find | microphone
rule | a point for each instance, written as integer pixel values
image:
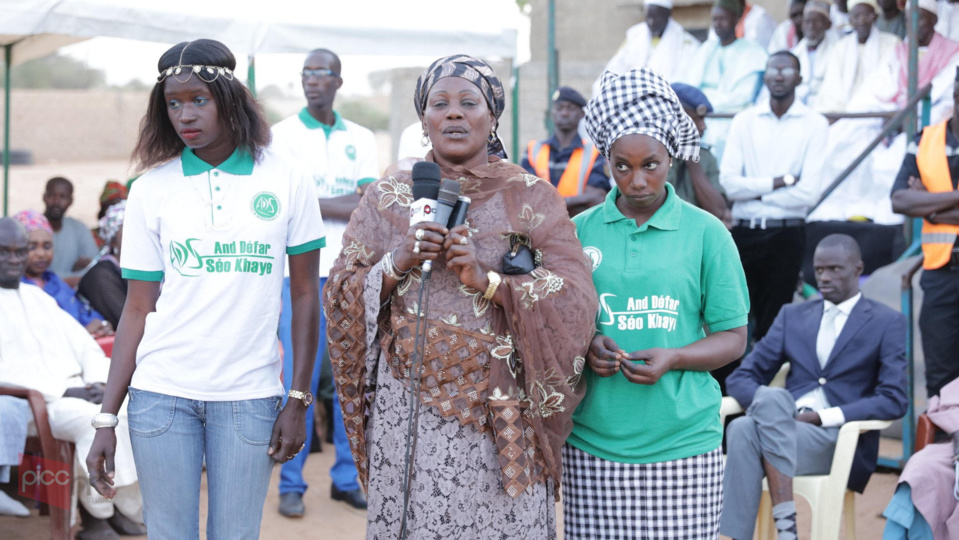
(426, 187)
(446, 200)
(458, 217)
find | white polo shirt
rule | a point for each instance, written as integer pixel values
(341, 158)
(216, 237)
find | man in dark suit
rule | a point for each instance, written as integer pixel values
(847, 362)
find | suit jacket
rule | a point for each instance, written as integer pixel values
(865, 375)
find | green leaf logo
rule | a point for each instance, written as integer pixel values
(351, 152)
(265, 206)
(184, 258)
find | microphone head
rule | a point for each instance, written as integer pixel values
(426, 180)
(449, 191)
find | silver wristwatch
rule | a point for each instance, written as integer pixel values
(104, 420)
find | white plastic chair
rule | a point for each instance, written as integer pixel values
(827, 494)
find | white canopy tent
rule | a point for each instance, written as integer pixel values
(33, 28)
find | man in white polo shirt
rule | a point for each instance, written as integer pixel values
(341, 156)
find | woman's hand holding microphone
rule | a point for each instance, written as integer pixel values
(425, 241)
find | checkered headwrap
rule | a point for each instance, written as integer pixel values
(641, 101)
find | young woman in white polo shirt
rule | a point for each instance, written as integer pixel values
(212, 220)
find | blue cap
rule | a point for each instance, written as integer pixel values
(565, 93)
(692, 98)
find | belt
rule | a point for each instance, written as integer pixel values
(763, 223)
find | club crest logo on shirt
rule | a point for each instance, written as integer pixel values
(265, 206)
(351, 152)
(595, 256)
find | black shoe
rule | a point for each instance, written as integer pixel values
(125, 526)
(291, 504)
(95, 528)
(354, 498)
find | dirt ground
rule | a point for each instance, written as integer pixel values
(324, 518)
(331, 520)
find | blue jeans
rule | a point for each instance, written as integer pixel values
(343, 472)
(171, 436)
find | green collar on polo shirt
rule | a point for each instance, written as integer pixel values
(239, 163)
(665, 219)
(313, 123)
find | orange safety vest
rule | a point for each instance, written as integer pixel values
(937, 239)
(573, 181)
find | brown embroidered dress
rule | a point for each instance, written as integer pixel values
(499, 383)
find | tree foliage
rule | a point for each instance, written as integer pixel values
(55, 71)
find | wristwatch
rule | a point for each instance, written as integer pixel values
(103, 420)
(494, 281)
(789, 179)
(305, 397)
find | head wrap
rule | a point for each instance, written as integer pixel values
(732, 6)
(817, 6)
(565, 93)
(871, 3)
(641, 101)
(475, 71)
(668, 4)
(930, 5)
(33, 221)
(112, 191)
(693, 98)
(111, 222)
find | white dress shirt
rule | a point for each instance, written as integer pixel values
(762, 146)
(816, 399)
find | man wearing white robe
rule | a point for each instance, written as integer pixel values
(43, 348)
(814, 49)
(865, 193)
(728, 70)
(789, 32)
(658, 43)
(855, 57)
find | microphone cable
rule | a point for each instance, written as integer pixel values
(413, 421)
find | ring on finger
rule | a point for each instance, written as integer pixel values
(464, 241)
(419, 234)
(416, 247)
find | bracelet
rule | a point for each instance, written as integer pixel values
(390, 269)
(494, 281)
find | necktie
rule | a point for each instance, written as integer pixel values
(827, 335)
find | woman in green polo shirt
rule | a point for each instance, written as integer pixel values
(644, 458)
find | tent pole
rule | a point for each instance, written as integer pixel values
(515, 113)
(7, 60)
(251, 75)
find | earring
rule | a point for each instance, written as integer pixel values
(492, 134)
(425, 141)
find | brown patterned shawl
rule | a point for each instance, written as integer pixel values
(512, 371)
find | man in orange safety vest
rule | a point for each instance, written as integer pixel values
(568, 161)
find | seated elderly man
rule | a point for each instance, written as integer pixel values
(847, 362)
(45, 349)
(814, 49)
(865, 194)
(855, 57)
(658, 43)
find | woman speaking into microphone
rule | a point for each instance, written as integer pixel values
(504, 352)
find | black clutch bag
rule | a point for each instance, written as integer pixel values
(519, 259)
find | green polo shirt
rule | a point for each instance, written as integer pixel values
(658, 285)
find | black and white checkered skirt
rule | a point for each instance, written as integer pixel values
(679, 499)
